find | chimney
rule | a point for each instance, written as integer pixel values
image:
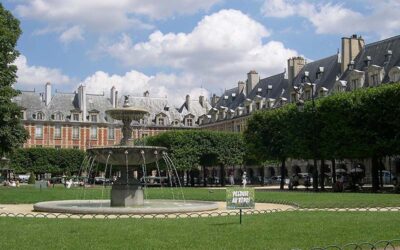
(82, 101)
(113, 97)
(295, 64)
(187, 102)
(214, 100)
(47, 93)
(252, 80)
(351, 46)
(241, 86)
(201, 100)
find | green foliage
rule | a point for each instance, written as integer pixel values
(46, 160)
(192, 148)
(360, 124)
(12, 132)
(32, 178)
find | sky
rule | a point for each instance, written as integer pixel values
(177, 47)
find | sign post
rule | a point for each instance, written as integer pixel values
(240, 198)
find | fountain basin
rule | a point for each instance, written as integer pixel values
(103, 207)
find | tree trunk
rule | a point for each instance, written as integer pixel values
(283, 174)
(262, 175)
(222, 175)
(204, 177)
(192, 177)
(374, 174)
(322, 180)
(315, 176)
(333, 171)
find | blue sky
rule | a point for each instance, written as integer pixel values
(179, 47)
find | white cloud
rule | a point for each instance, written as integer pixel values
(329, 18)
(104, 16)
(72, 34)
(219, 50)
(135, 83)
(29, 75)
(278, 8)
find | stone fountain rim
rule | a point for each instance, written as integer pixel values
(129, 108)
(54, 207)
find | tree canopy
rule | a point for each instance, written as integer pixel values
(12, 132)
(364, 123)
(46, 160)
(193, 148)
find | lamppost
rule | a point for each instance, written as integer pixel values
(300, 107)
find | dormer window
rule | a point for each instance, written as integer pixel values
(160, 121)
(75, 117)
(38, 116)
(189, 122)
(93, 117)
(394, 74)
(319, 73)
(175, 123)
(57, 116)
(323, 92)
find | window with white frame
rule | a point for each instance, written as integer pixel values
(39, 131)
(75, 117)
(75, 132)
(161, 121)
(57, 131)
(111, 133)
(93, 132)
(189, 122)
(38, 116)
(93, 117)
(57, 116)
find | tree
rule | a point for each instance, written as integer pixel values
(12, 132)
(268, 136)
(194, 148)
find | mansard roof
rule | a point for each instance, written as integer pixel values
(279, 85)
(331, 71)
(231, 98)
(377, 52)
(33, 102)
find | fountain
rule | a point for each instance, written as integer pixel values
(127, 193)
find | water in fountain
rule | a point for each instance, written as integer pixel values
(127, 193)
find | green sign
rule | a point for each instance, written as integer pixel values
(240, 198)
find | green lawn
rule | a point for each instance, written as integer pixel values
(29, 194)
(288, 230)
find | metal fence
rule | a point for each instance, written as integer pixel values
(382, 244)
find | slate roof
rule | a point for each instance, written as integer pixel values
(377, 51)
(32, 103)
(231, 99)
(279, 87)
(331, 68)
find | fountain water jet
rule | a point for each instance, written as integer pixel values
(127, 194)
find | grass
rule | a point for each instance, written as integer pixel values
(30, 194)
(285, 230)
(291, 230)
